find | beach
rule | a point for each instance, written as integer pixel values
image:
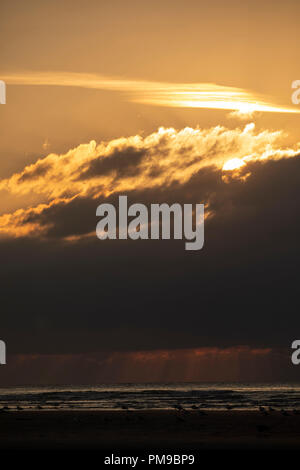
(163, 430)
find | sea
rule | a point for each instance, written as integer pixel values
(152, 396)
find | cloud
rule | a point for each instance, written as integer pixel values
(183, 95)
(162, 161)
(63, 296)
(64, 291)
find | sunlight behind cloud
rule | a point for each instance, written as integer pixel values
(165, 157)
(233, 164)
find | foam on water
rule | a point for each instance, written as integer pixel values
(153, 396)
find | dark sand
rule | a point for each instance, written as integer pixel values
(145, 430)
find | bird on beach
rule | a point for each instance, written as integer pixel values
(125, 407)
(263, 411)
(178, 407)
(284, 412)
(271, 409)
(19, 408)
(194, 407)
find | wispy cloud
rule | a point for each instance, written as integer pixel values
(182, 95)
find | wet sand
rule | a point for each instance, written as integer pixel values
(145, 430)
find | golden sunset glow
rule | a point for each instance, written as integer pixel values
(233, 164)
(174, 105)
(57, 180)
(176, 95)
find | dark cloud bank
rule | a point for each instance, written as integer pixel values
(91, 295)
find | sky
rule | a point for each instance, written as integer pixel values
(164, 101)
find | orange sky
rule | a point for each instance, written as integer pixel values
(250, 45)
(188, 365)
(105, 97)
